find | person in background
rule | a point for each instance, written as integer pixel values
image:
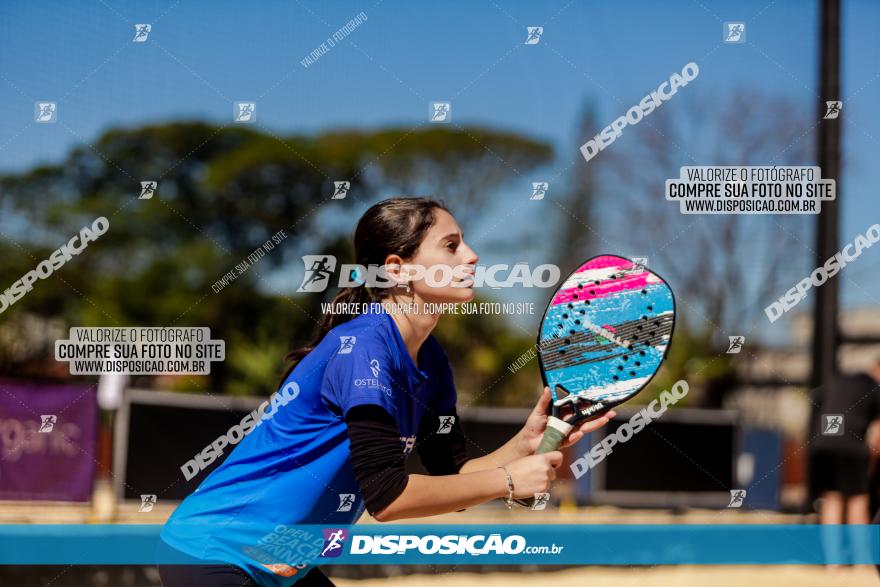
(874, 484)
(873, 441)
(839, 452)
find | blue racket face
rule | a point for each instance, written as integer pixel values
(605, 333)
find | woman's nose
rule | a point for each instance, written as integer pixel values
(471, 257)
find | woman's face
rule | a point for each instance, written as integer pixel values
(447, 261)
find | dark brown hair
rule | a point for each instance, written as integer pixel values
(394, 226)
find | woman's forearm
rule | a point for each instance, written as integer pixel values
(511, 450)
(428, 496)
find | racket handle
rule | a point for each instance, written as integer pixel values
(554, 434)
(551, 440)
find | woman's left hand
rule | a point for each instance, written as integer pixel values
(531, 434)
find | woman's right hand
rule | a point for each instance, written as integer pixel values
(534, 474)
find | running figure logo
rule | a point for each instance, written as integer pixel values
(346, 344)
(534, 34)
(736, 344)
(541, 501)
(45, 112)
(141, 32)
(333, 540)
(47, 423)
(832, 424)
(737, 498)
(147, 503)
(408, 442)
(832, 109)
(245, 112)
(734, 32)
(539, 189)
(340, 190)
(446, 423)
(346, 501)
(441, 111)
(148, 189)
(319, 268)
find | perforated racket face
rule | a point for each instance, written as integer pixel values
(605, 333)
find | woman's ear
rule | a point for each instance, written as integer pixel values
(397, 271)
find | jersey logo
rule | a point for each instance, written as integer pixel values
(282, 569)
(374, 367)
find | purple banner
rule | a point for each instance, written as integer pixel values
(48, 439)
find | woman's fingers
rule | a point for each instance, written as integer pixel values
(572, 438)
(587, 427)
(543, 403)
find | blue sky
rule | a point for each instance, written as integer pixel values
(202, 56)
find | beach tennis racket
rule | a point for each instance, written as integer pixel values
(602, 339)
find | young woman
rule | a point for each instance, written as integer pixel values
(367, 391)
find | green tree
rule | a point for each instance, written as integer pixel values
(222, 192)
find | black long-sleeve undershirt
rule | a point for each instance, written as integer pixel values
(378, 459)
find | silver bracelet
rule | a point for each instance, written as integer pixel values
(509, 499)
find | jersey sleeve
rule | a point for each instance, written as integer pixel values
(365, 375)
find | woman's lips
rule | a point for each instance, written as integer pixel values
(465, 282)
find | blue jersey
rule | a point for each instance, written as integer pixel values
(294, 468)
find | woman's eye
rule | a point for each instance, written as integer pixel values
(451, 246)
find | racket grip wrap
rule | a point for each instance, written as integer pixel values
(556, 431)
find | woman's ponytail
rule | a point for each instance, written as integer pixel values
(348, 297)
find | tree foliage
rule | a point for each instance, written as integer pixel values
(222, 192)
